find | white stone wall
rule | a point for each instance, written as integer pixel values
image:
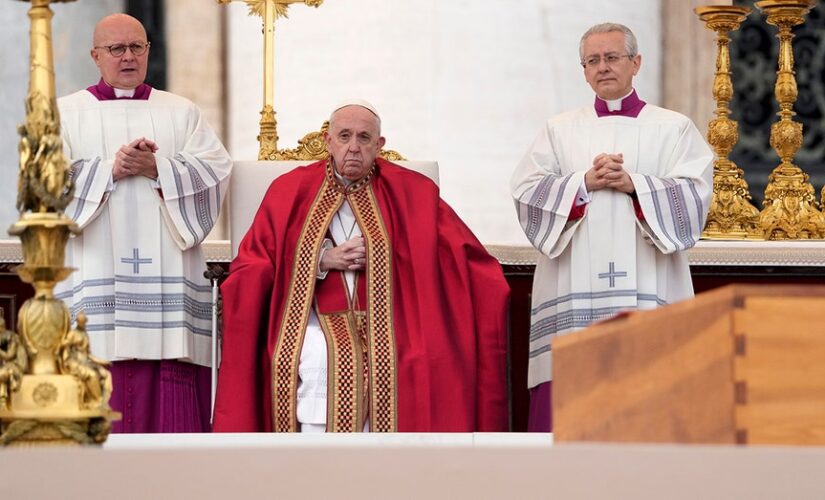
(464, 82)
(72, 28)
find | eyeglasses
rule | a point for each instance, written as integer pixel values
(119, 49)
(609, 59)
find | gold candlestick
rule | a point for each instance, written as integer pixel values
(52, 391)
(790, 208)
(731, 214)
(269, 11)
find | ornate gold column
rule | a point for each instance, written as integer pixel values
(790, 209)
(52, 391)
(688, 68)
(269, 11)
(731, 215)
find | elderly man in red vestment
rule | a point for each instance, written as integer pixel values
(360, 301)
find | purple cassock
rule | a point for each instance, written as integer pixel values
(157, 395)
(161, 396)
(540, 418)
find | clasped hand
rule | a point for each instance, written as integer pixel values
(608, 172)
(136, 158)
(348, 256)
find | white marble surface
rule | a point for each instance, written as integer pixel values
(368, 440)
(467, 84)
(708, 253)
(432, 472)
(705, 253)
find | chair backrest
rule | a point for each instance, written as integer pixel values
(251, 179)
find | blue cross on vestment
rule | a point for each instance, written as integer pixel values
(136, 261)
(612, 274)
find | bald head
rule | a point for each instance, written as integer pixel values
(114, 24)
(121, 51)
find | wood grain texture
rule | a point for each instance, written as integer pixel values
(732, 365)
(784, 368)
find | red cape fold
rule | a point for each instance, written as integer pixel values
(449, 305)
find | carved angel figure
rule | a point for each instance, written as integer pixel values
(75, 359)
(44, 183)
(13, 363)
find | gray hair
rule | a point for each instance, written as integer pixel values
(631, 46)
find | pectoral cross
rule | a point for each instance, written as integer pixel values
(270, 10)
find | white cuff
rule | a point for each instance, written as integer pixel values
(326, 245)
(582, 196)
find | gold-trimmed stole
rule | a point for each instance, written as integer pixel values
(362, 361)
(287, 353)
(347, 376)
(383, 362)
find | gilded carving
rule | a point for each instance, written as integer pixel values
(268, 138)
(45, 394)
(13, 363)
(257, 7)
(311, 147)
(731, 214)
(51, 390)
(43, 183)
(790, 208)
(75, 359)
(786, 139)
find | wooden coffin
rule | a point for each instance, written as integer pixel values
(741, 364)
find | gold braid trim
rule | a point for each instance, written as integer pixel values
(380, 331)
(346, 372)
(353, 187)
(296, 312)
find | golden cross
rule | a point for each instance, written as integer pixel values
(269, 11)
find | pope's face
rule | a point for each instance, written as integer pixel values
(126, 71)
(353, 141)
(614, 80)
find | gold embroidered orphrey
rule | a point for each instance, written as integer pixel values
(361, 353)
(347, 374)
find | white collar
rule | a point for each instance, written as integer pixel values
(341, 179)
(616, 104)
(124, 92)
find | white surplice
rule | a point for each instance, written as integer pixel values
(608, 261)
(140, 269)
